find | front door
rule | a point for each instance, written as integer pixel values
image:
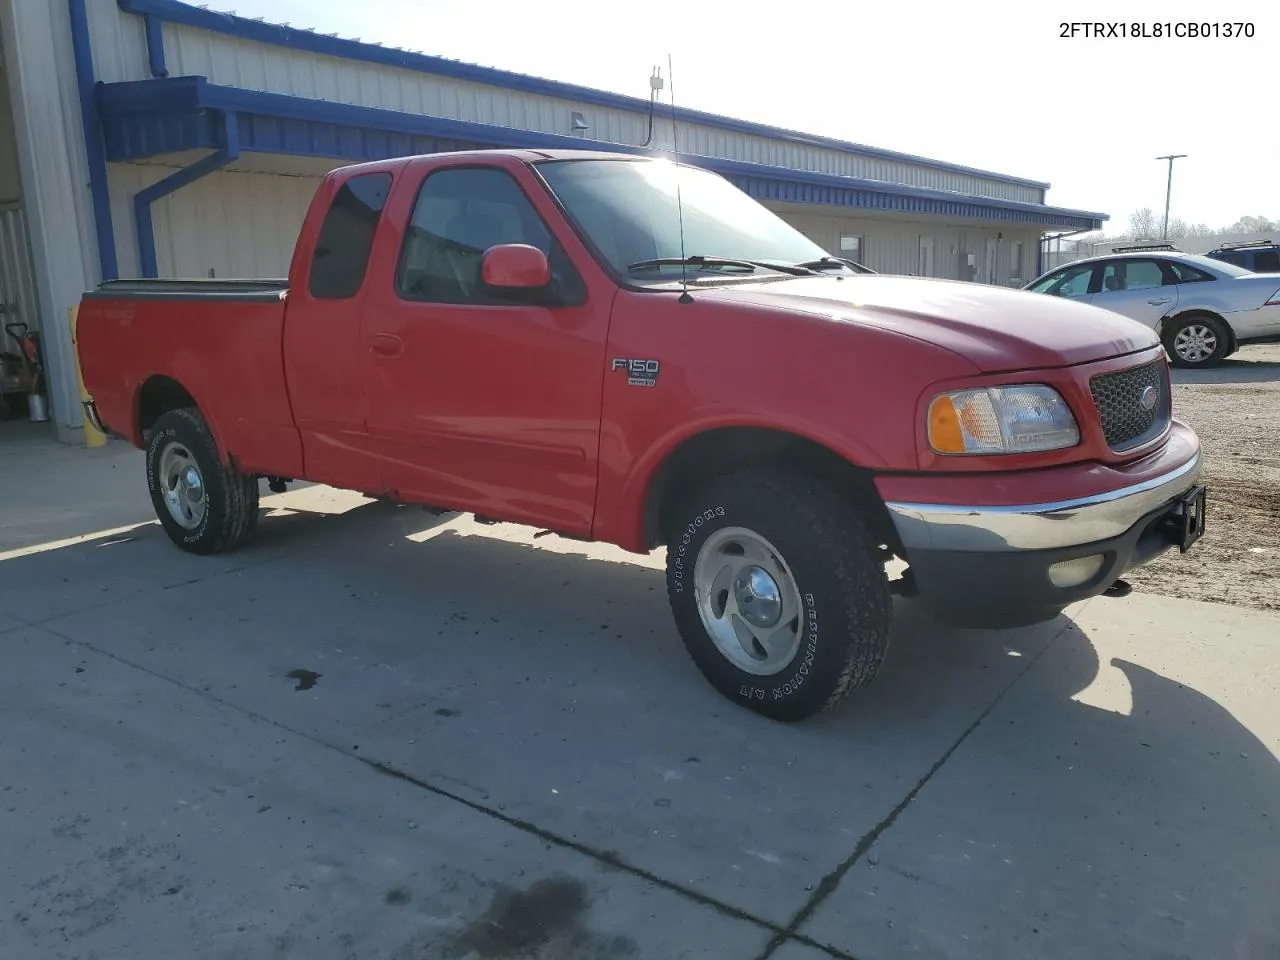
(1137, 288)
(476, 402)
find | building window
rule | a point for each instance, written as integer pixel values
(346, 237)
(851, 247)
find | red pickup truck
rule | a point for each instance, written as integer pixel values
(630, 350)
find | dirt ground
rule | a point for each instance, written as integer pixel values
(1236, 410)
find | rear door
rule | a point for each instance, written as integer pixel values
(476, 402)
(1140, 288)
(322, 331)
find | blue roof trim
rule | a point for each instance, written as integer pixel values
(293, 38)
(95, 149)
(150, 117)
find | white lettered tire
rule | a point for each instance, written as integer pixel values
(205, 505)
(778, 592)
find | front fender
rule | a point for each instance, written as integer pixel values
(620, 519)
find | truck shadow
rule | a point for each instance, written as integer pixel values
(1096, 795)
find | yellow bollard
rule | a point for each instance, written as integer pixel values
(93, 437)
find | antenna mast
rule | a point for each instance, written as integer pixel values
(675, 149)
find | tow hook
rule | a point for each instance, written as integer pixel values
(1121, 588)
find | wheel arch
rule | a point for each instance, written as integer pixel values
(714, 451)
(159, 394)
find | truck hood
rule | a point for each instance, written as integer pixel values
(997, 329)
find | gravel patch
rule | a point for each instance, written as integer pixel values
(1235, 408)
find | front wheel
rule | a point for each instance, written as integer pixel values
(205, 506)
(1196, 340)
(778, 593)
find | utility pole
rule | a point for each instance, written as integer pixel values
(1168, 191)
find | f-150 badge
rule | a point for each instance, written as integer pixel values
(640, 373)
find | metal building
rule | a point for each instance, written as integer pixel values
(158, 138)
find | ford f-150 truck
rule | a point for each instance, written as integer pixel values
(631, 350)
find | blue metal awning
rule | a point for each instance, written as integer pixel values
(148, 118)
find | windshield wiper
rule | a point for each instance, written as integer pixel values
(710, 263)
(827, 263)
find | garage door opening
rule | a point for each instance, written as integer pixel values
(24, 391)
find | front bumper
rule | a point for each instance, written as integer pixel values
(988, 566)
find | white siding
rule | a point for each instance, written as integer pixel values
(233, 223)
(120, 54)
(893, 245)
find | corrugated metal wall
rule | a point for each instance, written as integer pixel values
(120, 54)
(240, 223)
(233, 223)
(894, 245)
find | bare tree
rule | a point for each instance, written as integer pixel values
(1142, 224)
(1254, 225)
(1177, 229)
(1200, 230)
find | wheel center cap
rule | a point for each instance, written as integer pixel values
(758, 596)
(191, 480)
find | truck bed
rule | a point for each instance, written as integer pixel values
(138, 338)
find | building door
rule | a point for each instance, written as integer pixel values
(927, 247)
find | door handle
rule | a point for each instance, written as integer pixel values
(1158, 301)
(386, 345)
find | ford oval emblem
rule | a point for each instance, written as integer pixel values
(1148, 398)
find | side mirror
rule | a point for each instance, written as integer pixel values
(515, 270)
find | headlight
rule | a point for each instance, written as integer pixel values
(1020, 419)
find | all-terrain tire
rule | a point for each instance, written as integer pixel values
(836, 572)
(230, 499)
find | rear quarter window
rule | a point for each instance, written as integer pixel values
(341, 256)
(1267, 261)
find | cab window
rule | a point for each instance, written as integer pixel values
(341, 256)
(459, 214)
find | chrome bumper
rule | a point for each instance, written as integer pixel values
(1038, 526)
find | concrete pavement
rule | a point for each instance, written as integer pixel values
(374, 734)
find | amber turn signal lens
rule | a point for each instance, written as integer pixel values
(945, 434)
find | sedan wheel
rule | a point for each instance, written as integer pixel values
(1195, 343)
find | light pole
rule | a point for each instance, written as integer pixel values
(1168, 191)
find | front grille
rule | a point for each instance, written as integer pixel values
(1126, 422)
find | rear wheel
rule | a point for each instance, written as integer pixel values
(1197, 340)
(778, 593)
(205, 506)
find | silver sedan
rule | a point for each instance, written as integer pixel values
(1202, 309)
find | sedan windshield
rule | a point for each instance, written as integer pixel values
(628, 210)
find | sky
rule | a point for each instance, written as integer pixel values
(983, 83)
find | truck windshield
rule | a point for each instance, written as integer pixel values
(627, 209)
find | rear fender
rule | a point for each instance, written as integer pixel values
(140, 441)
